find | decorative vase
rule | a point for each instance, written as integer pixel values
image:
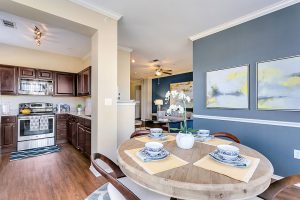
(185, 140)
(79, 110)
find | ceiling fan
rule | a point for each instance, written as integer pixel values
(159, 68)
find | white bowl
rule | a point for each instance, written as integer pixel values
(203, 133)
(156, 131)
(228, 152)
(154, 146)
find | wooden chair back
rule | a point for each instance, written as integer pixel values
(112, 177)
(276, 187)
(139, 133)
(227, 135)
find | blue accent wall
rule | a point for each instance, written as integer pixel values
(159, 90)
(273, 36)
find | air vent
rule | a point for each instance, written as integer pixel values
(8, 23)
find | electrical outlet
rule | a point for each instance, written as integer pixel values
(296, 154)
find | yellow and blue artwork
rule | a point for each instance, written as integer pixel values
(186, 88)
(278, 84)
(228, 88)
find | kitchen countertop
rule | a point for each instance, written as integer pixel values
(76, 114)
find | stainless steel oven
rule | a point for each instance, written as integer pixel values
(38, 128)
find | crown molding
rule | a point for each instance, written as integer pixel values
(111, 14)
(129, 50)
(253, 15)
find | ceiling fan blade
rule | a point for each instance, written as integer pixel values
(169, 73)
(167, 70)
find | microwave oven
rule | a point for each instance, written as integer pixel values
(35, 87)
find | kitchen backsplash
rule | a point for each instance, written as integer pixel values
(14, 101)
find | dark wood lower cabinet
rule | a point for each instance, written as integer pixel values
(78, 133)
(8, 134)
(81, 137)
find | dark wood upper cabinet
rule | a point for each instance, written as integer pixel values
(84, 82)
(8, 79)
(44, 74)
(64, 84)
(25, 72)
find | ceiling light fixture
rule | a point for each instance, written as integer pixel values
(37, 35)
(158, 72)
(133, 61)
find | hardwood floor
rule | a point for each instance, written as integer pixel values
(60, 176)
(57, 176)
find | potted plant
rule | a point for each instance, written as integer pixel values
(79, 107)
(185, 138)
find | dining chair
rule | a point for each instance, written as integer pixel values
(227, 135)
(278, 186)
(139, 133)
(121, 187)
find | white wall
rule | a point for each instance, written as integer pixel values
(146, 101)
(124, 74)
(18, 56)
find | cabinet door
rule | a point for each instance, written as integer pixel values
(69, 131)
(26, 72)
(81, 137)
(79, 84)
(8, 135)
(64, 84)
(8, 79)
(88, 141)
(74, 134)
(86, 81)
(44, 74)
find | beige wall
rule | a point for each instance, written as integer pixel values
(104, 70)
(124, 74)
(18, 56)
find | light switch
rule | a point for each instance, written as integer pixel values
(108, 101)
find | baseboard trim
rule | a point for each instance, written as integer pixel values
(253, 121)
(276, 177)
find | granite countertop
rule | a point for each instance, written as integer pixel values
(76, 114)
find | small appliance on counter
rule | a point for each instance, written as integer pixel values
(36, 125)
(62, 108)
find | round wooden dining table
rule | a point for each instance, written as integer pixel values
(193, 182)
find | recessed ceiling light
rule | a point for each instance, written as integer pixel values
(133, 61)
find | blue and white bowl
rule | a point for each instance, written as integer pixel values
(153, 148)
(228, 152)
(203, 133)
(156, 132)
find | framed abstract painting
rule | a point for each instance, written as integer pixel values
(278, 84)
(186, 88)
(228, 88)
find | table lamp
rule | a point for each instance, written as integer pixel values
(158, 103)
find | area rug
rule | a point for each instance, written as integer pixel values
(100, 194)
(18, 155)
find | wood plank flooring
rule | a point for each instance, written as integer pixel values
(57, 176)
(60, 176)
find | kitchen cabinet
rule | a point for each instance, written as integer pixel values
(44, 74)
(25, 72)
(88, 142)
(84, 82)
(79, 133)
(8, 79)
(81, 137)
(64, 84)
(8, 134)
(61, 128)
